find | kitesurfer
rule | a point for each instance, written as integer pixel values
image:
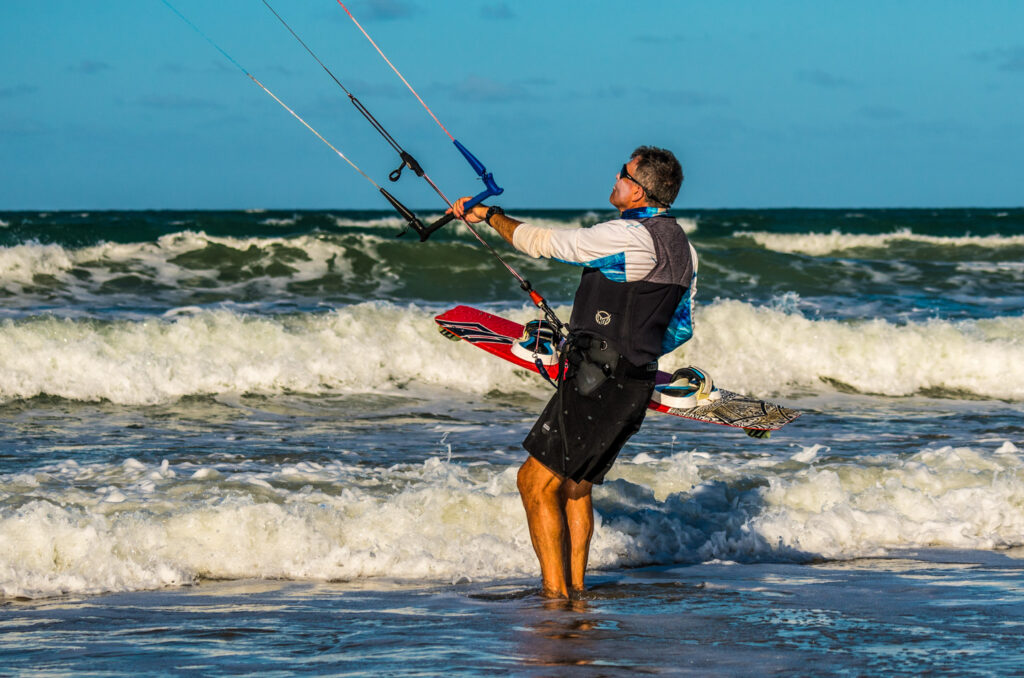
(632, 306)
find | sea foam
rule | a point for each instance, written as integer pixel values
(762, 350)
(188, 259)
(819, 244)
(70, 528)
(374, 347)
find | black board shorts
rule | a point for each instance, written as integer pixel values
(579, 436)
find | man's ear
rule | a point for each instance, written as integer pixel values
(639, 195)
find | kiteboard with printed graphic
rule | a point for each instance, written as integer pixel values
(687, 393)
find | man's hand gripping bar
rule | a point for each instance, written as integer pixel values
(485, 176)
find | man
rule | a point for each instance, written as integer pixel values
(632, 306)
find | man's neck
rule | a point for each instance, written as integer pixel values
(642, 212)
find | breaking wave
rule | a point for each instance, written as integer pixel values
(819, 244)
(90, 528)
(375, 346)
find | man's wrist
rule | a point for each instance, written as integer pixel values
(491, 211)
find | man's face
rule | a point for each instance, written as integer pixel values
(626, 193)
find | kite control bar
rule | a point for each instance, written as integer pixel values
(492, 189)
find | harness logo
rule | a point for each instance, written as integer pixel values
(603, 317)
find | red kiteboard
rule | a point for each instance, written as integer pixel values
(498, 335)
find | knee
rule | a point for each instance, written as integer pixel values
(534, 481)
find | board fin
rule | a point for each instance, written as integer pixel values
(448, 334)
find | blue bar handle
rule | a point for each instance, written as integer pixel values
(492, 188)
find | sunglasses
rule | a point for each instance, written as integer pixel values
(624, 174)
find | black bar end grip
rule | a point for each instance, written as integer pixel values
(411, 220)
(429, 230)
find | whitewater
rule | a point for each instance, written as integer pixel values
(377, 347)
(236, 423)
(98, 527)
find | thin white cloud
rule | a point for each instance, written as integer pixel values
(682, 97)
(825, 79)
(387, 10)
(89, 67)
(175, 102)
(1009, 60)
(17, 91)
(500, 11)
(881, 113)
(487, 90)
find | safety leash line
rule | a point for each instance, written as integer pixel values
(407, 159)
(274, 96)
(492, 188)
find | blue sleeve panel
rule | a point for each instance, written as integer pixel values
(680, 327)
(612, 267)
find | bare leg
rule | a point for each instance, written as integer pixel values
(579, 516)
(540, 490)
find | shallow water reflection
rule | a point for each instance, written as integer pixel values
(913, 613)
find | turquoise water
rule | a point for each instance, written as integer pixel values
(235, 442)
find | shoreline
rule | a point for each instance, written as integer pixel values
(951, 610)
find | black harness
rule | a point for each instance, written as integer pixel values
(634, 316)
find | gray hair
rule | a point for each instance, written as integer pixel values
(660, 173)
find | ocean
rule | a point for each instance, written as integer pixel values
(234, 442)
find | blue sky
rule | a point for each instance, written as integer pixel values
(119, 104)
